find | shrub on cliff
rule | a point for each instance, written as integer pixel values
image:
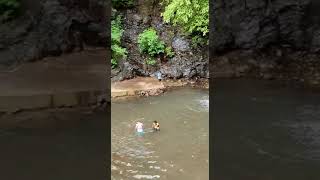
(151, 61)
(118, 52)
(150, 43)
(169, 52)
(8, 9)
(192, 16)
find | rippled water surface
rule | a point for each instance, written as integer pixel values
(265, 131)
(179, 151)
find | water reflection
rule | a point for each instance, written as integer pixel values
(53, 144)
(266, 131)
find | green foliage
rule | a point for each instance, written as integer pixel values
(150, 43)
(118, 52)
(114, 63)
(151, 61)
(119, 4)
(191, 15)
(199, 40)
(8, 9)
(169, 52)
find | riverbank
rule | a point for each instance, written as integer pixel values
(150, 86)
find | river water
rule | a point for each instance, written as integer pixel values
(180, 151)
(264, 130)
(53, 145)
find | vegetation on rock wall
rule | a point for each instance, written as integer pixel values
(191, 15)
(118, 52)
(169, 52)
(8, 9)
(151, 61)
(119, 4)
(150, 43)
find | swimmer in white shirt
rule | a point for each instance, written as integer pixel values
(139, 128)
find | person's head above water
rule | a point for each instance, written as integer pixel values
(155, 122)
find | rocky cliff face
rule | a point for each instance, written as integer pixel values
(256, 24)
(53, 27)
(266, 38)
(188, 62)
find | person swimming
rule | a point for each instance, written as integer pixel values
(139, 128)
(155, 126)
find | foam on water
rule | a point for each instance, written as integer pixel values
(146, 176)
(204, 102)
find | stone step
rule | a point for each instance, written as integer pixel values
(53, 100)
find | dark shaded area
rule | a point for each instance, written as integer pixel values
(256, 24)
(266, 39)
(53, 145)
(53, 27)
(264, 130)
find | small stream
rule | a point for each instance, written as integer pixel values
(267, 131)
(180, 151)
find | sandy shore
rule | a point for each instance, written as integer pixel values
(149, 86)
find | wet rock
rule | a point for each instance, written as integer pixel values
(189, 72)
(258, 24)
(115, 72)
(137, 19)
(56, 28)
(184, 64)
(279, 53)
(242, 68)
(266, 76)
(127, 70)
(151, 92)
(180, 44)
(146, 20)
(316, 41)
(172, 72)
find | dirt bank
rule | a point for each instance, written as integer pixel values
(149, 86)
